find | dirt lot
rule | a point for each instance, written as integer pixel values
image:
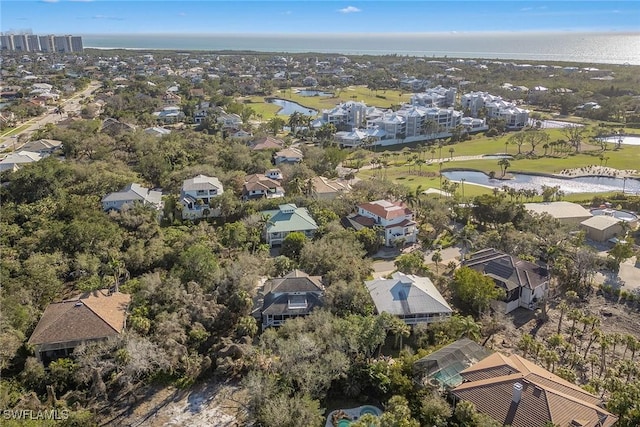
(211, 405)
(614, 317)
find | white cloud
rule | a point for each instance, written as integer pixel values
(349, 9)
(182, 14)
(288, 12)
(49, 1)
(81, 1)
(526, 9)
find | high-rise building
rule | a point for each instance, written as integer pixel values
(76, 44)
(20, 43)
(33, 43)
(6, 42)
(27, 42)
(46, 44)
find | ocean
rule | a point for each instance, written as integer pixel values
(601, 48)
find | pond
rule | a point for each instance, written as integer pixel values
(585, 184)
(626, 140)
(313, 92)
(290, 107)
(553, 124)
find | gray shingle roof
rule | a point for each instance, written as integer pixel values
(201, 182)
(512, 271)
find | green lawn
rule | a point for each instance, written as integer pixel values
(16, 130)
(319, 103)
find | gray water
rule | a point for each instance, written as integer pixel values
(290, 107)
(307, 92)
(604, 48)
(588, 184)
(626, 140)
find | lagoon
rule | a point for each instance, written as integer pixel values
(290, 107)
(313, 92)
(626, 140)
(585, 184)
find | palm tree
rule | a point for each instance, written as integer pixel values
(437, 258)
(466, 327)
(504, 165)
(563, 307)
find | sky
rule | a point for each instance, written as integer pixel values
(327, 16)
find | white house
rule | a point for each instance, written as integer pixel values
(413, 299)
(130, 195)
(197, 197)
(478, 103)
(171, 114)
(395, 219)
(525, 284)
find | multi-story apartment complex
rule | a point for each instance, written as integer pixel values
(490, 106)
(435, 97)
(34, 43)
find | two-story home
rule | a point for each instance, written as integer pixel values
(328, 189)
(294, 295)
(197, 197)
(287, 219)
(288, 155)
(525, 283)
(395, 220)
(258, 186)
(130, 195)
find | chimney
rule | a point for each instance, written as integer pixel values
(517, 392)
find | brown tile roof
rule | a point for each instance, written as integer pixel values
(489, 384)
(259, 182)
(386, 209)
(92, 315)
(267, 143)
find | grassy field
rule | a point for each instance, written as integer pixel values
(386, 99)
(16, 130)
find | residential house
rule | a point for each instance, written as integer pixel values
(518, 393)
(130, 195)
(266, 143)
(395, 220)
(288, 155)
(157, 131)
(413, 299)
(229, 121)
(92, 316)
(274, 174)
(114, 127)
(525, 283)
(170, 99)
(601, 228)
(291, 296)
(44, 147)
(15, 161)
(328, 189)
(287, 219)
(198, 197)
(202, 111)
(172, 114)
(258, 186)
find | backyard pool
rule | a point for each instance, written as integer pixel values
(345, 417)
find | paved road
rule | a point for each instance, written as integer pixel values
(70, 105)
